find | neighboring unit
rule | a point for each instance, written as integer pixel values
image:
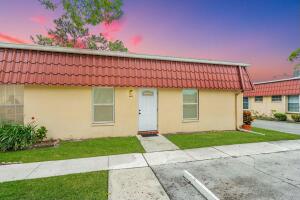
(274, 96)
(79, 93)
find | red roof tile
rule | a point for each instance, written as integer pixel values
(277, 87)
(27, 66)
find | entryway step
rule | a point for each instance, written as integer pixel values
(158, 143)
(148, 133)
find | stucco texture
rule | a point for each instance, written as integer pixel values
(216, 111)
(67, 111)
(268, 108)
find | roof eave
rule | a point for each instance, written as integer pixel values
(274, 81)
(116, 54)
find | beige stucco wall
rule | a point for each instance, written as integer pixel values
(216, 111)
(267, 107)
(67, 111)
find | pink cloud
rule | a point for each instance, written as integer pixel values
(111, 29)
(136, 40)
(7, 38)
(41, 20)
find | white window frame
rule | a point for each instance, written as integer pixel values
(262, 99)
(14, 104)
(248, 103)
(93, 106)
(276, 96)
(197, 103)
(288, 104)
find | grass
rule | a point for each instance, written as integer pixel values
(92, 185)
(207, 139)
(76, 149)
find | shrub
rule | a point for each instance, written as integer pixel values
(247, 117)
(17, 137)
(296, 117)
(41, 133)
(280, 116)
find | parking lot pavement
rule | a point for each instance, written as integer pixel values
(278, 126)
(263, 176)
(135, 184)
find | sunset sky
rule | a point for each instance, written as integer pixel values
(259, 32)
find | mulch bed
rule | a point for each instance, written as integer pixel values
(46, 143)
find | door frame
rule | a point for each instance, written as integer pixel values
(138, 107)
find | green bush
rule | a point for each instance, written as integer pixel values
(296, 117)
(15, 137)
(280, 116)
(41, 133)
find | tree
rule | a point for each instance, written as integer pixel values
(71, 29)
(295, 56)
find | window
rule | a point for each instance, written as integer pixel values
(276, 98)
(11, 103)
(190, 104)
(258, 99)
(245, 103)
(103, 105)
(293, 104)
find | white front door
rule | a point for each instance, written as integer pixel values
(147, 109)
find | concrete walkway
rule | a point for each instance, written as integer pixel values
(156, 143)
(137, 160)
(135, 184)
(70, 166)
(278, 126)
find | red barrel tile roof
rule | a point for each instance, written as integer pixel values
(27, 66)
(277, 87)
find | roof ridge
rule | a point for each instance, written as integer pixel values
(116, 54)
(278, 80)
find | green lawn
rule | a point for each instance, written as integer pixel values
(76, 149)
(196, 140)
(92, 185)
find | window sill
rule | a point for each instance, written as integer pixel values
(103, 124)
(190, 121)
(293, 112)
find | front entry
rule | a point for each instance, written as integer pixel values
(147, 109)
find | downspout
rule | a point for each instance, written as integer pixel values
(236, 110)
(236, 96)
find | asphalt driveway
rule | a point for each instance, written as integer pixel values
(278, 126)
(264, 176)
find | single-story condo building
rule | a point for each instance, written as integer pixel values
(78, 93)
(274, 96)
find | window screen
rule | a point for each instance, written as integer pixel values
(11, 103)
(276, 98)
(245, 103)
(258, 99)
(190, 104)
(103, 104)
(293, 104)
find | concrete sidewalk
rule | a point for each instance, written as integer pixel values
(156, 143)
(70, 166)
(137, 160)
